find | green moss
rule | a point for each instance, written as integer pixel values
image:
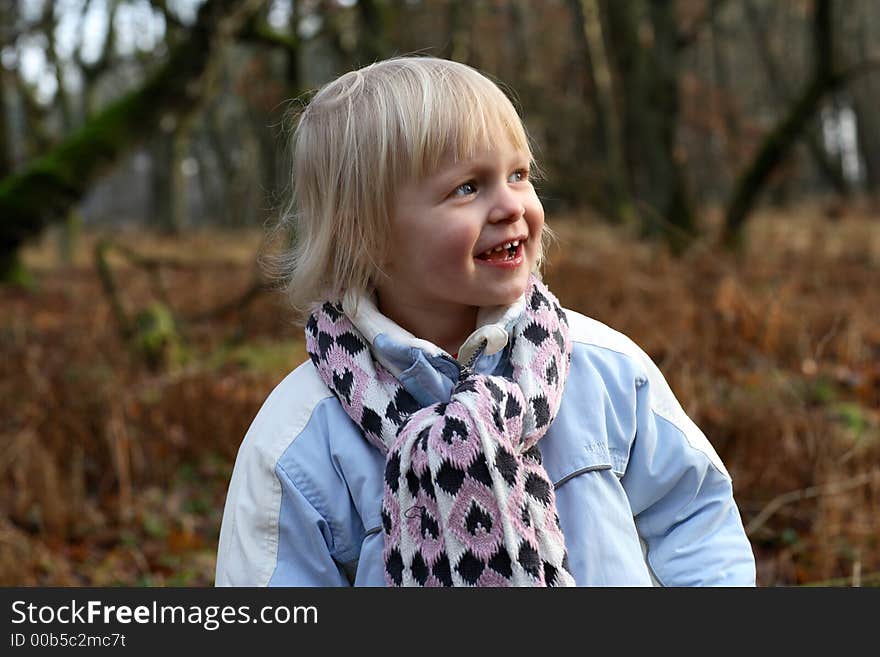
(13, 272)
(789, 536)
(198, 506)
(268, 358)
(819, 392)
(156, 337)
(854, 418)
(186, 472)
(154, 525)
(45, 191)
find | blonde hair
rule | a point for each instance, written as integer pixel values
(358, 138)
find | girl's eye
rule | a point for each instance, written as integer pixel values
(465, 189)
(519, 175)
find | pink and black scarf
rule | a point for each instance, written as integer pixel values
(466, 500)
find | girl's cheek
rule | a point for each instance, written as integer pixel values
(462, 241)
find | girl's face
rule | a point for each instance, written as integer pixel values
(444, 224)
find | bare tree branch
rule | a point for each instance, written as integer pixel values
(833, 488)
(258, 31)
(91, 71)
(44, 191)
(168, 15)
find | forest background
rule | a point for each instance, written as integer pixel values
(712, 169)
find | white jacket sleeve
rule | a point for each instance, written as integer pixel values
(285, 544)
(271, 534)
(682, 497)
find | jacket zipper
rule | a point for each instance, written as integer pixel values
(466, 370)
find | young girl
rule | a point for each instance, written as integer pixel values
(455, 426)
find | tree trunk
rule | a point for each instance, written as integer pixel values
(293, 76)
(180, 143)
(376, 23)
(647, 66)
(831, 169)
(864, 96)
(868, 133)
(37, 139)
(726, 108)
(46, 190)
(7, 17)
(5, 132)
(777, 144)
(620, 203)
(62, 99)
(161, 211)
(458, 44)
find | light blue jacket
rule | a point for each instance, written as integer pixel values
(642, 496)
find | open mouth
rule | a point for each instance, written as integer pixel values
(503, 253)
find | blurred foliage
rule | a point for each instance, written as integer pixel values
(642, 111)
(128, 379)
(114, 469)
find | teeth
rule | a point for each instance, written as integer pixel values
(501, 247)
(506, 245)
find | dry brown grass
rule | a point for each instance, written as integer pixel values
(775, 354)
(114, 472)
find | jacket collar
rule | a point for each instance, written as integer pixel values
(398, 349)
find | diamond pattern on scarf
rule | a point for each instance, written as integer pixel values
(466, 500)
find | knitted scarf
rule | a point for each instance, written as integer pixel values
(466, 500)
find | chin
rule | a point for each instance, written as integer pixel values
(514, 293)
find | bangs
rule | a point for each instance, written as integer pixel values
(467, 118)
(436, 110)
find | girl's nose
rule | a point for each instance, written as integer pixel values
(507, 205)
